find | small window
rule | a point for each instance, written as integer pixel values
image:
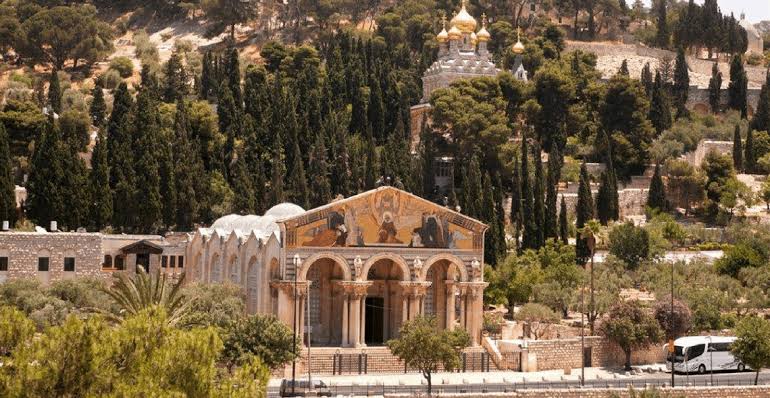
(3, 264)
(120, 262)
(172, 263)
(42, 264)
(69, 264)
(695, 351)
(180, 262)
(164, 261)
(533, 6)
(107, 261)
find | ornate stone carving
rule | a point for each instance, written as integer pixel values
(288, 287)
(358, 264)
(475, 269)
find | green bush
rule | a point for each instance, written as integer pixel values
(123, 65)
(630, 244)
(738, 257)
(22, 78)
(111, 79)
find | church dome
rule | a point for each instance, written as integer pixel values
(483, 34)
(442, 36)
(464, 21)
(284, 210)
(454, 33)
(474, 39)
(518, 48)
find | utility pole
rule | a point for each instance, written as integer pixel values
(582, 337)
(294, 327)
(671, 349)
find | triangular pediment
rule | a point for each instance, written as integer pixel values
(386, 217)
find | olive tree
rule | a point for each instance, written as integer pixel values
(421, 346)
(753, 344)
(631, 328)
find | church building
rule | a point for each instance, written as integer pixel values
(352, 271)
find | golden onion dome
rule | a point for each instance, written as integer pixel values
(474, 39)
(442, 36)
(464, 21)
(454, 33)
(483, 34)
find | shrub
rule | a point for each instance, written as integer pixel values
(261, 335)
(123, 65)
(22, 78)
(755, 59)
(630, 244)
(73, 100)
(145, 49)
(111, 79)
(539, 317)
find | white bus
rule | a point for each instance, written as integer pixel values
(703, 354)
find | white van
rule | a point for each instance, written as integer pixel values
(703, 354)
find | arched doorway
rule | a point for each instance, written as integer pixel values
(383, 305)
(324, 323)
(441, 299)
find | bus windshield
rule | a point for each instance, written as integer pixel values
(678, 354)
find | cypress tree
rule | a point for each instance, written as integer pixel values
(681, 83)
(167, 180)
(538, 196)
(340, 175)
(613, 180)
(584, 211)
(473, 187)
(749, 160)
(227, 111)
(662, 35)
(148, 189)
(101, 195)
(277, 172)
(623, 71)
(376, 110)
(428, 156)
(660, 109)
(232, 70)
(121, 109)
(7, 186)
(297, 183)
(489, 216)
(174, 79)
(45, 194)
(188, 168)
(715, 88)
(738, 86)
(554, 174)
(207, 80)
(646, 79)
(656, 198)
(318, 172)
(499, 220)
(529, 237)
(54, 92)
(761, 120)
(98, 109)
(243, 189)
(75, 188)
(516, 192)
(123, 175)
(563, 225)
(371, 165)
(604, 200)
(737, 149)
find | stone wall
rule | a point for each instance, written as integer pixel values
(632, 201)
(562, 353)
(24, 249)
(686, 392)
(696, 157)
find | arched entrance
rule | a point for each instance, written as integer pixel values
(325, 301)
(383, 304)
(441, 296)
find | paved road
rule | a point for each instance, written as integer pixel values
(659, 379)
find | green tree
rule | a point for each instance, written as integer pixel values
(584, 211)
(660, 107)
(142, 291)
(656, 196)
(278, 172)
(188, 171)
(662, 35)
(749, 160)
(630, 327)
(764, 193)
(101, 195)
(681, 84)
(45, 200)
(563, 224)
(551, 226)
(537, 197)
(737, 148)
(174, 84)
(630, 244)
(7, 186)
(761, 120)
(98, 109)
(147, 135)
(516, 193)
(647, 80)
(738, 257)
(715, 89)
(218, 305)
(561, 277)
(752, 346)
(263, 336)
(538, 317)
(420, 346)
(676, 323)
(737, 88)
(241, 184)
(318, 173)
(54, 92)
(15, 329)
(225, 14)
(604, 199)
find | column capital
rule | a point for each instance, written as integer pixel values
(288, 287)
(472, 289)
(355, 289)
(414, 288)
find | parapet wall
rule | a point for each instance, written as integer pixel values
(685, 392)
(563, 353)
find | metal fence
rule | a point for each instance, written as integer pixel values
(346, 364)
(638, 384)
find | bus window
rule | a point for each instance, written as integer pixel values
(695, 351)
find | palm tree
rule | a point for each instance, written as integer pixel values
(142, 290)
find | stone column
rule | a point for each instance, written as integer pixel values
(463, 317)
(301, 318)
(345, 333)
(355, 310)
(386, 312)
(362, 341)
(405, 306)
(475, 310)
(450, 304)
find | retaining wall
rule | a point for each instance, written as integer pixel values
(686, 392)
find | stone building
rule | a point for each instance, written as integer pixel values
(355, 270)
(752, 34)
(52, 256)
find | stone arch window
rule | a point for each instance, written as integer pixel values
(107, 263)
(120, 262)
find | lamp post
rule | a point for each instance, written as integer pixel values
(672, 349)
(711, 360)
(294, 327)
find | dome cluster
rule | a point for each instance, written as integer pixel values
(462, 28)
